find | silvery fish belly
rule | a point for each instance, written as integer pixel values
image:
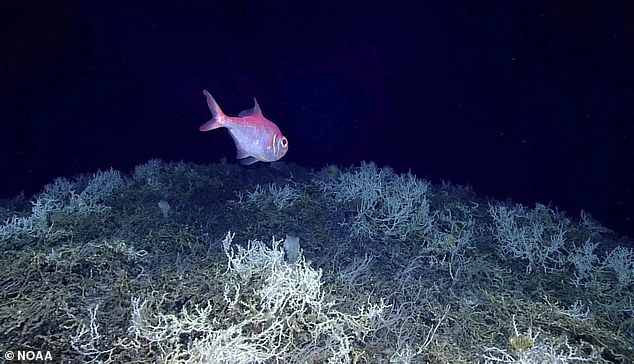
(257, 139)
(257, 142)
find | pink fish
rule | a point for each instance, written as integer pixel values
(256, 137)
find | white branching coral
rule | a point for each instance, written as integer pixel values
(388, 205)
(621, 261)
(584, 260)
(535, 235)
(84, 195)
(276, 312)
(535, 347)
(264, 197)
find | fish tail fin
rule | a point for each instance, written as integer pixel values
(217, 115)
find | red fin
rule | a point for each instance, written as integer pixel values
(217, 114)
(211, 125)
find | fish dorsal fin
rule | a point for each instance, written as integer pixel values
(253, 111)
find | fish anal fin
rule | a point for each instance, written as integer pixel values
(248, 161)
(241, 153)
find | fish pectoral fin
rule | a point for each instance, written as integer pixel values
(248, 161)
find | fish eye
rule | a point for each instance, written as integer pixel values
(284, 142)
